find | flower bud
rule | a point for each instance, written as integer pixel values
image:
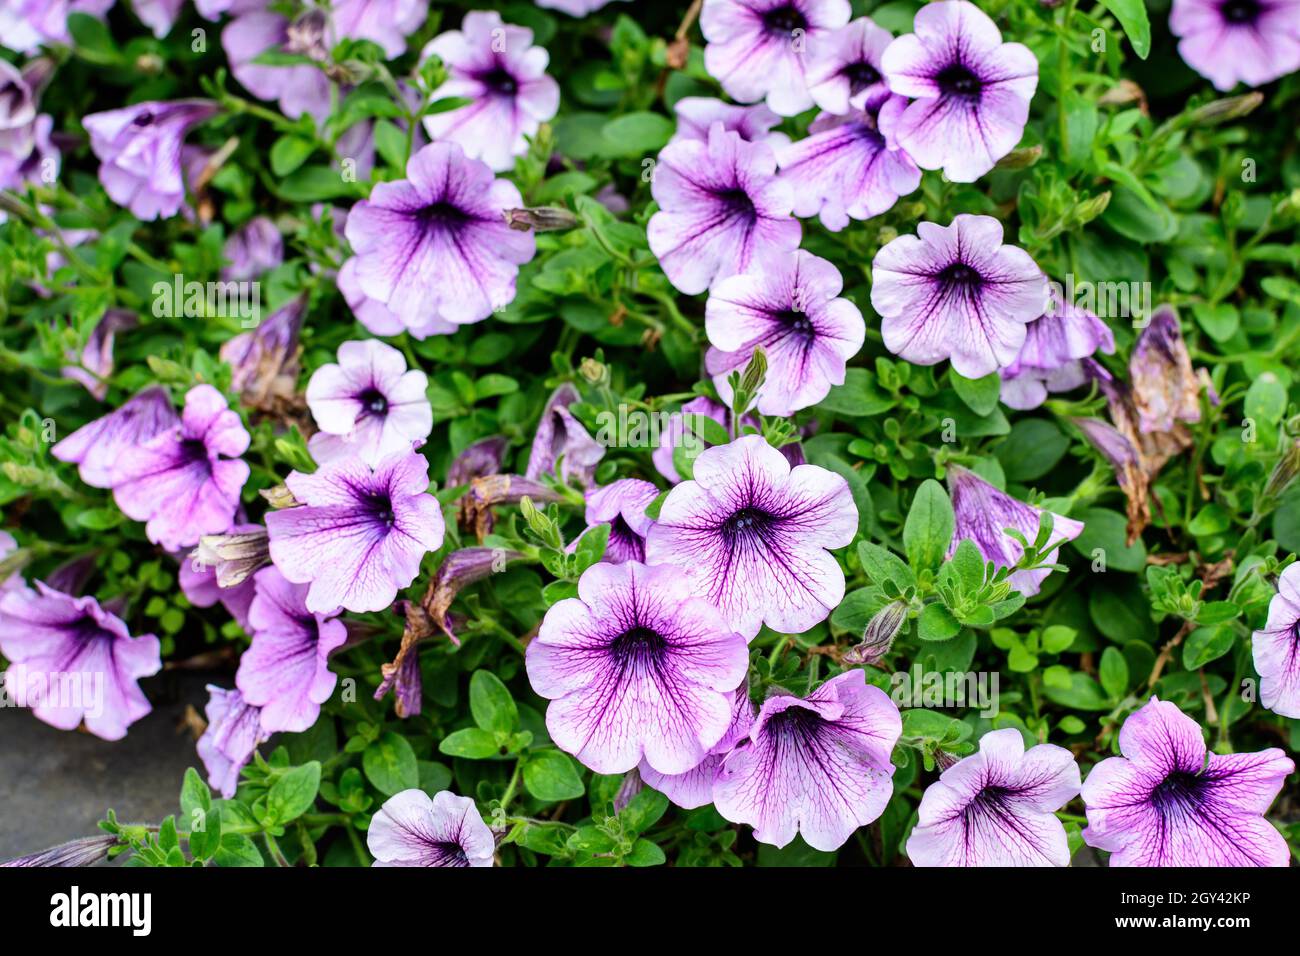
(879, 635)
(541, 219)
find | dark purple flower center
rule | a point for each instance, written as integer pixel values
(379, 506)
(736, 204)
(638, 646)
(1178, 792)
(448, 853)
(193, 453)
(441, 215)
(861, 75)
(960, 278)
(500, 81)
(798, 725)
(958, 80)
(1240, 11)
(746, 523)
(143, 118)
(798, 324)
(785, 19)
(621, 533)
(373, 402)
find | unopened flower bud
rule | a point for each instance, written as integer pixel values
(279, 497)
(1020, 158)
(1284, 473)
(84, 852)
(540, 219)
(1225, 110)
(879, 635)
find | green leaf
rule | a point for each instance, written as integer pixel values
(390, 764)
(882, 565)
(637, 134)
(294, 793)
(1084, 693)
(591, 546)
(936, 623)
(980, 394)
(1105, 531)
(237, 850)
(645, 853)
(316, 184)
(1113, 672)
(1034, 447)
(491, 704)
(1132, 16)
(643, 811)
(1206, 644)
(550, 776)
(471, 742)
(290, 152)
(929, 527)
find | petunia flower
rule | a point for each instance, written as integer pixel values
(413, 829)
(1167, 801)
(360, 533)
(158, 15)
(983, 513)
(561, 440)
(848, 167)
(368, 404)
(27, 152)
(574, 8)
(636, 667)
(264, 361)
(621, 504)
(98, 448)
(1049, 361)
(74, 662)
(299, 88)
(87, 851)
(750, 533)
(721, 205)
(765, 48)
(95, 363)
(694, 788)
(234, 730)
(286, 669)
(186, 481)
(846, 75)
(378, 318)
(221, 569)
(252, 249)
(1238, 41)
(1276, 648)
(402, 678)
(997, 807)
(956, 292)
(28, 24)
(971, 91)
(436, 243)
(483, 457)
(458, 571)
(385, 22)
(139, 149)
(818, 765)
(789, 306)
(697, 114)
(494, 65)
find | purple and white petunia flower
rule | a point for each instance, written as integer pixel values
(721, 205)
(139, 149)
(971, 91)
(983, 513)
(561, 439)
(360, 533)
(997, 807)
(29, 24)
(697, 114)
(299, 88)
(789, 306)
(849, 167)
(436, 243)
(495, 65)
(1051, 358)
(254, 248)
(621, 504)
(27, 152)
(286, 669)
(574, 8)
(414, 829)
(71, 661)
(1276, 648)
(1238, 41)
(234, 730)
(368, 405)
(818, 765)
(694, 788)
(636, 667)
(1167, 801)
(846, 75)
(95, 362)
(751, 534)
(956, 292)
(185, 482)
(377, 317)
(98, 448)
(761, 49)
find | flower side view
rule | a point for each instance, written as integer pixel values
(98, 448)
(360, 533)
(1238, 41)
(621, 505)
(436, 243)
(847, 77)
(234, 730)
(368, 405)
(818, 765)
(1276, 648)
(1167, 801)
(750, 533)
(636, 667)
(789, 306)
(997, 807)
(970, 90)
(414, 829)
(956, 292)
(720, 206)
(1049, 361)
(494, 65)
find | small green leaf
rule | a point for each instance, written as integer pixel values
(936, 623)
(471, 743)
(390, 764)
(929, 526)
(1206, 644)
(551, 777)
(1132, 16)
(294, 794)
(1113, 672)
(491, 704)
(979, 394)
